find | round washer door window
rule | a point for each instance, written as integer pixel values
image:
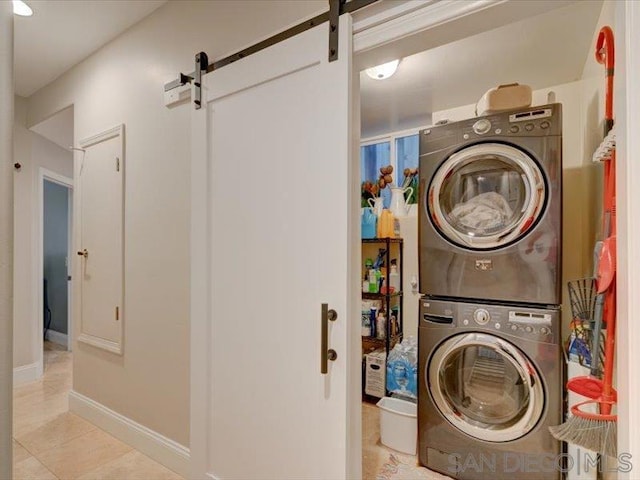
(485, 387)
(486, 196)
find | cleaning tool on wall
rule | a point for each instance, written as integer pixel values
(598, 431)
(582, 295)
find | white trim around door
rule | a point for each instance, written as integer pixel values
(414, 26)
(38, 254)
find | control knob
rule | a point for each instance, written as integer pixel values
(481, 316)
(528, 329)
(482, 126)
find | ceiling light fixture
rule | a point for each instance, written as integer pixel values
(383, 71)
(21, 8)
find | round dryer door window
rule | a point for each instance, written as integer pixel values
(486, 196)
(485, 387)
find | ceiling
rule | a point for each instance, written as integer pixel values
(541, 51)
(61, 33)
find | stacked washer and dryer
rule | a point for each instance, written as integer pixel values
(490, 357)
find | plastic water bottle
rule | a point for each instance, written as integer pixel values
(400, 375)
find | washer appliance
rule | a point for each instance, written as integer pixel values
(490, 385)
(490, 226)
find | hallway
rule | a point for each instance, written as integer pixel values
(50, 443)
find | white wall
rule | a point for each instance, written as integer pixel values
(123, 83)
(33, 152)
(410, 299)
(6, 221)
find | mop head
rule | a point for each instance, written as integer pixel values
(596, 435)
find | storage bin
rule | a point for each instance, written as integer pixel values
(399, 424)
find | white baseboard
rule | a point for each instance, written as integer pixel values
(57, 337)
(27, 373)
(156, 446)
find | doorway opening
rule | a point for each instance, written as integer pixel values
(56, 259)
(441, 84)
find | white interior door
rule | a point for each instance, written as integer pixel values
(101, 240)
(270, 244)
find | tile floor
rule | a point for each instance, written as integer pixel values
(50, 443)
(382, 463)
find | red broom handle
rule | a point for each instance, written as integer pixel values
(605, 55)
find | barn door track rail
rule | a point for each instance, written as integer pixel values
(202, 65)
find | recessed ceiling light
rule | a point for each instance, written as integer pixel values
(21, 8)
(383, 71)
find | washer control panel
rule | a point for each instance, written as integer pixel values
(532, 323)
(535, 324)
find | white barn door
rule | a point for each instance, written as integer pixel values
(270, 244)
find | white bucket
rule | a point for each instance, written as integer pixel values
(398, 424)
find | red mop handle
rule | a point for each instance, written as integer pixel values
(605, 55)
(608, 393)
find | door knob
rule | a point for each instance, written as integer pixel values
(84, 253)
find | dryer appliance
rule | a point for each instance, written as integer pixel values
(490, 385)
(490, 215)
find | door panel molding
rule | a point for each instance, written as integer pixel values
(114, 344)
(116, 131)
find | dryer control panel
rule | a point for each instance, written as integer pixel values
(542, 121)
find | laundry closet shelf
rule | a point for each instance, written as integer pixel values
(369, 344)
(380, 296)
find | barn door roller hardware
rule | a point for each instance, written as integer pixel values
(202, 63)
(334, 19)
(202, 67)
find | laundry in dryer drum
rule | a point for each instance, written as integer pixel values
(487, 210)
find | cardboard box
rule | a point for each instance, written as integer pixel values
(375, 373)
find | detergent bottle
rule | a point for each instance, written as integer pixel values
(385, 224)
